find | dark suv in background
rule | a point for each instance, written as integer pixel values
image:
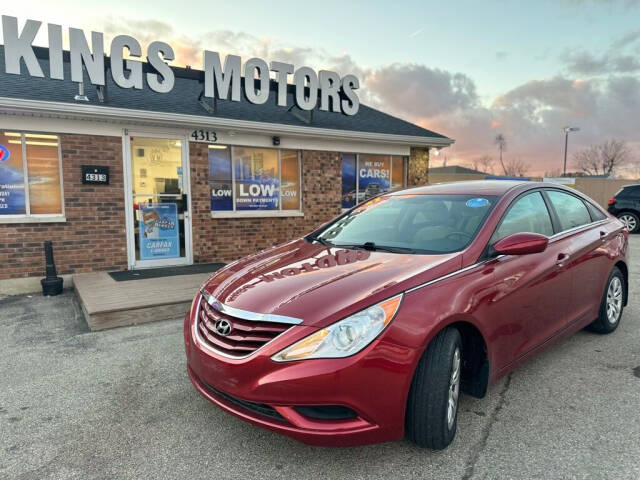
(626, 206)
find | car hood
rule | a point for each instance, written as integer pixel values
(321, 284)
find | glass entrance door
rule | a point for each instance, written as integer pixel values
(159, 222)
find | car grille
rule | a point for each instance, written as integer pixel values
(244, 337)
(259, 408)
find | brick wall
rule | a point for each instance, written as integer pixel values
(217, 239)
(93, 237)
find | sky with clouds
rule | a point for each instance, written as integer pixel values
(468, 69)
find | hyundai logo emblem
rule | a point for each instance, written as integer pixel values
(223, 327)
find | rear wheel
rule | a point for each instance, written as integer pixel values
(630, 220)
(432, 407)
(612, 304)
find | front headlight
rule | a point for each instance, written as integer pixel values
(343, 338)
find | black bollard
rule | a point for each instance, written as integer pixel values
(52, 284)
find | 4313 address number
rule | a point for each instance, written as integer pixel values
(207, 136)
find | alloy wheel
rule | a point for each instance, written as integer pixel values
(454, 389)
(629, 221)
(614, 300)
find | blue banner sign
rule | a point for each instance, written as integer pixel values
(374, 175)
(349, 167)
(159, 231)
(12, 198)
(220, 180)
(256, 191)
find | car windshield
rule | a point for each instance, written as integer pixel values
(424, 224)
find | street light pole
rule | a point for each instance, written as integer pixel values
(566, 142)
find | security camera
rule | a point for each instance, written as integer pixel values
(276, 141)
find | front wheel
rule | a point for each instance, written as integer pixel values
(432, 407)
(611, 305)
(630, 221)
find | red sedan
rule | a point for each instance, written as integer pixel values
(368, 328)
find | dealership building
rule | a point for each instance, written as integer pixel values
(131, 178)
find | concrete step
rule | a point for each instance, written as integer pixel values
(108, 304)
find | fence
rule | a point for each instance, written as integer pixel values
(600, 189)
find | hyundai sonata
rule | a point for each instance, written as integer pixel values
(370, 327)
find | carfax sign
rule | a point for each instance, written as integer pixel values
(159, 233)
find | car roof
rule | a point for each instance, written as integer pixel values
(470, 187)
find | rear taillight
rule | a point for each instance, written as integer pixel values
(612, 200)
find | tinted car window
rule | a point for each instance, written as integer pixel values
(572, 212)
(428, 224)
(527, 214)
(595, 212)
(630, 191)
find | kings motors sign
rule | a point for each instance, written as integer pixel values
(332, 92)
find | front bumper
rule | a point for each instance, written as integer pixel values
(374, 384)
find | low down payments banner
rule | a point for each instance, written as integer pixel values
(159, 231)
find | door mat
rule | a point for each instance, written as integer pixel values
(127, 275)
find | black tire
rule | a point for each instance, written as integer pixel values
(605, 323)
(426, 421)
(630, 218)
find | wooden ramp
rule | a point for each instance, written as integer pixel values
(107, 303)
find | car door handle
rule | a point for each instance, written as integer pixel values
(562, 259)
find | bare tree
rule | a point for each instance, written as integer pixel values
(604, 158)
(485, 163)
(556, 172)
(501, 142)
(516, 167)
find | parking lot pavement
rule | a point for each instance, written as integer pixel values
(118, 404)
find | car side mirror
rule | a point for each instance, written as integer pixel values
(521, 244)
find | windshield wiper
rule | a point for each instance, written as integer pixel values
(322, 241)
(373, 246)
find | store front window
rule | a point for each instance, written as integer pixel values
(160, 227)
(30, 176)
(220, 178)
(247, 179)
(365, 176)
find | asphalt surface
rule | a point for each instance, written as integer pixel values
(118, 405)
